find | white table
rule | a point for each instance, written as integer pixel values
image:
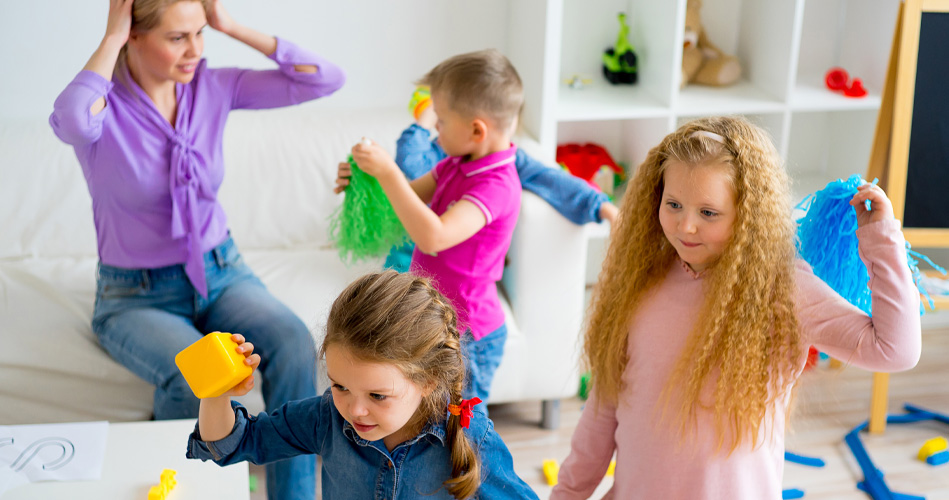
(136, 453)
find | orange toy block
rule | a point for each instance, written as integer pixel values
(212, 365)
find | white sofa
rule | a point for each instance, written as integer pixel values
(281, 167)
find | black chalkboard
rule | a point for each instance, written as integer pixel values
(927, 167)
(911, 144)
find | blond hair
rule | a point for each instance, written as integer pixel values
(479, 83)
(402, 320)
(146, 15)
(746, 339)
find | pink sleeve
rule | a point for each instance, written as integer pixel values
(591, 450)
(889, 341)
(495, 197)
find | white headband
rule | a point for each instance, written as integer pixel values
(710, 135)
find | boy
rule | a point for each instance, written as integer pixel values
(461, 215)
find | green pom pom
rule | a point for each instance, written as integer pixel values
(365, 225)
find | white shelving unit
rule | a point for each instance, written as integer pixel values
(785, 47)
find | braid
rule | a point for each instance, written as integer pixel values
(465, 463)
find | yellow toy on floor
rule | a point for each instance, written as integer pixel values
(212, 365)
(935, 451)
(552, 469)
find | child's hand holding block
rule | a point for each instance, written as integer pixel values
(212, 365)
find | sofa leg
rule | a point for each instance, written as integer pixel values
(550, 414)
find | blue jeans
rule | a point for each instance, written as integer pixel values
(144, 317)
(482, 358)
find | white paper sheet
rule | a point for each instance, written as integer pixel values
(51, 452)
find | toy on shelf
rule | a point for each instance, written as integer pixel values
(934, 451)
(619, 61)
(592, 163)
(162, 489)
(421, 99)
(212, 365)
(702, 61)
(365, 225)
(838, 80)
(578, 82)
(551, 469)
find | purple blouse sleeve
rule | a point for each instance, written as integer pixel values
(286, 86)
(72, 119)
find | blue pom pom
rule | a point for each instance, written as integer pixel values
(827, 240)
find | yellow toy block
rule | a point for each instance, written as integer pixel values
(161, 490)
(551, 470)
(932, 446)
(212, 365)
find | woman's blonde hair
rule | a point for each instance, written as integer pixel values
(402, 320)
(146, 15)
(746, 339)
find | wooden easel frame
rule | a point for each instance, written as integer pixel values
(889, 158)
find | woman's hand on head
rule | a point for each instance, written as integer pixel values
(250, 359)
(218, 18)
(372, 159)
(119, 24)
(880, 206)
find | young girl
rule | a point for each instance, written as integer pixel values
(393, 425)
(702, 319)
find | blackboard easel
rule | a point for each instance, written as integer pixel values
(910, 152)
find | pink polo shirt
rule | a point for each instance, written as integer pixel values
(467, 272)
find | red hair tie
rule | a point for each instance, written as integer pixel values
(464, 410)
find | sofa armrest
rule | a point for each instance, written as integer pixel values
(544, 283)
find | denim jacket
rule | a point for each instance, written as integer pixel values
(416, 154)
(356, 469)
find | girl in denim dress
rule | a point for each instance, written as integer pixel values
(393, 424)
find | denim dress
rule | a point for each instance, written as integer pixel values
(356, 469)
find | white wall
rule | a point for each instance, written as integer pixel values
(384, 45)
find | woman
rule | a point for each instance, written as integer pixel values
(146, 118)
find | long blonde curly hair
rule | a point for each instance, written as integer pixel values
(746, 340)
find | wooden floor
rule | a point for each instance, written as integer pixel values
(830, 403)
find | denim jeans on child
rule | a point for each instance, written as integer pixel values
(482, 358)
(144, 317)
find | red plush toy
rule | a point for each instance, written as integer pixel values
(586, 160)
